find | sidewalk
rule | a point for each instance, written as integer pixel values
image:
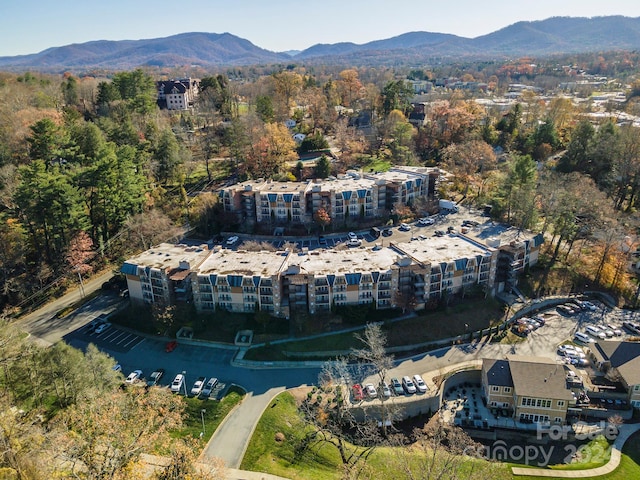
(626, 431)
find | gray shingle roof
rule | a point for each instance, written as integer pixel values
(497, 372)
(624, 356)
(538, 377)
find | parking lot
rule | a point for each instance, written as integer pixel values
(112, 338)
(416, 230)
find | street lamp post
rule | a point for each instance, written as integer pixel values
(202, 412)
(184, 382)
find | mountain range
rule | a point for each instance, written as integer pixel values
(556, 35)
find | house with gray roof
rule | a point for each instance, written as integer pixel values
(620, 360)
(531, 389)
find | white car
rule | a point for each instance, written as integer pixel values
(101, 328)
(232, 240)
(198, 386)
(426, 221)
(353, 236)
(589, 306)
(408, 385)
(616, 331)
(354, 242)
(177, 383)
(419, 382)
(134, 376)
(404, 227)
(370, 390)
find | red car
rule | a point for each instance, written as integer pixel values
(358, 393)
(171, 346)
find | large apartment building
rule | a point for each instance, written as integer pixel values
(313, 281)
(352, 195)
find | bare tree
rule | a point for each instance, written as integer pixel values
(351, 432)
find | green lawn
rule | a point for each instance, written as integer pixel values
(277, 454)
(473, 315)
(215, 412)
(266, 453)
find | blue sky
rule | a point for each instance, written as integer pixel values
(30, 26)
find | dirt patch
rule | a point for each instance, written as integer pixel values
(300, 393)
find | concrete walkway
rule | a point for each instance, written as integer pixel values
(616, 454)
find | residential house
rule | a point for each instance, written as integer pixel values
(177, 94)
(532, 389)
(620, 360)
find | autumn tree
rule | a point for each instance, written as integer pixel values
(322, 218)
(349, 86)
(103, 435)
(271, 152)
(287, 85)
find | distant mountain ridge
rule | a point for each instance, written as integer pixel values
(551, 36)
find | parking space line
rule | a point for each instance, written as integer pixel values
(139, 341)
(111, 331)
(126, 337)
(120, 334)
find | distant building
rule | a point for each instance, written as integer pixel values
(177, 94)
(353, 195)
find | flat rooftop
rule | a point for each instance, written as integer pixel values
(167, 255)
(447, 248)
(242, 262)
(351, 260)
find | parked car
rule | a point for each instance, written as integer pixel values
(370, 390)
(387, 232)
(404, 227)
(607, 331)
(232, 240)
(354, 242)
(352, 236)
(583, 337)
(385, 389)
(134, 376)
(397, 386)
(540, 319)
(178, 382)
(198, 386)
(565, 310)
(440, 233)
(589, 306)
(408, 385)
(426, 221)
(632, 327)
(616, 331)
(566, 349)
(171, 346)
(155, 377)
(101, 328)
(322, 240)
(358, 393)
(595, 332)
(419, 383)
(209, 386)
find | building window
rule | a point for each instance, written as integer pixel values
(495, 389)
(558, 420)
(507, 389)
(561, 403)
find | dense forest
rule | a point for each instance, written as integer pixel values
(91, 170)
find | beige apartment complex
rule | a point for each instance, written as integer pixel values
(402, 274)
(352, 195)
